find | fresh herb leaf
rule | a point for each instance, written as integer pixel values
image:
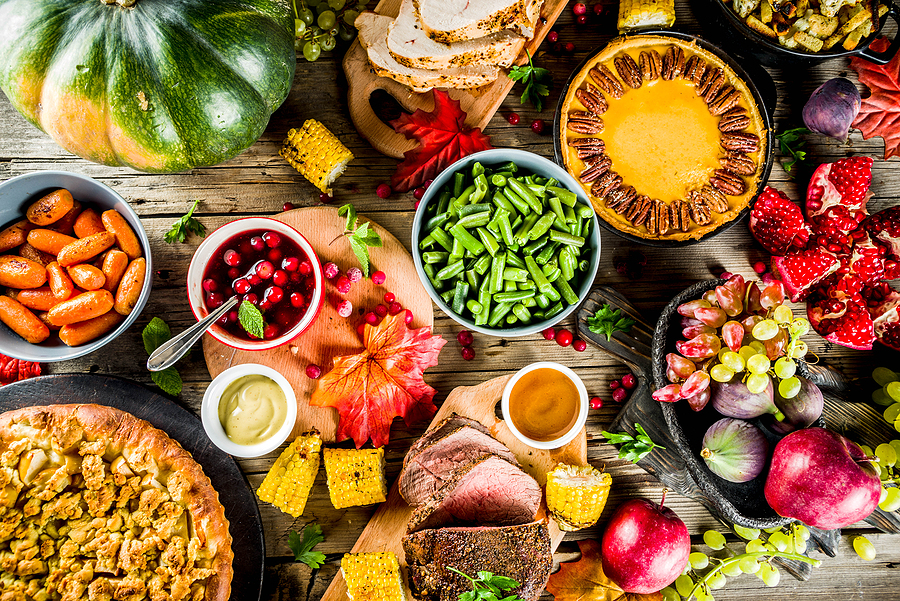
(608, 320)
(487, 586)
(169, 380)
(155, 334)
(350, 211)
(302, 546)
(537, 82)
(251, 319)
(633, 448)
(360, 238)
(187, 224)
(791, 145)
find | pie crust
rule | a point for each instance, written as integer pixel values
(646, 139)
(97, 504)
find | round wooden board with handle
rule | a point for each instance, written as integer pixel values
(330, 334)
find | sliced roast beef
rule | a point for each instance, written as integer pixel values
(441, 429)
(519, 552)
(488, 490)
(433, 465)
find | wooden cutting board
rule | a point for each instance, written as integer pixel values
(331, 335)
(480, 104)
(386, 528)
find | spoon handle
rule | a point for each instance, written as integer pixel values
(172, 350)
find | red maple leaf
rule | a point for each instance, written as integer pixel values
(13, 370)
(879, 114)
(443, 140)
(384, 381)
(584, 580)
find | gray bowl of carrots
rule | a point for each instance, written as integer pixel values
(506, 242)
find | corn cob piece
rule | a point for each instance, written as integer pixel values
(644, 14)
(288, 483)
(372, 577)
(316, 153)
(576, 495)
(355, 476)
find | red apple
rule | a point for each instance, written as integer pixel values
(645, 546)
(822, 479)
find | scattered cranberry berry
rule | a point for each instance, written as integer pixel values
(629, 381)
(214, 300)
(615, 384)
(389, 297)
(345, 308)
(313, 371)
(619, 394)
(265, 269)
(416, 205)
(579, 345)
(552, 37)
(330, 271)
(564, 337)
(418, 193)
(378, 278)
(371, 318)
(570, 47)
(231, 258)
(252, 298)
(759, 267)
(241, 286)
(596, 402)
(513, 118)
(408, 316)
(548, 334)
(558, 47)
(272, 239)
(465, 338)
(298, 300)
(538, 125)
(468, 353)
(210, 285)
(354, 274)
(767, 278)
(598, 9)
(581, 20)
(579, 8)
(288, 206)
(271, 331)
(394, 308)
(342, 284)
(326, 198)
(380, 310)
(383, 191)
(280, 278)
(427, 184)
(361, 330)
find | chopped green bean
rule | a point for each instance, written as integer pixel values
(509, 286)
(517, 201)
(565, 238)
(554, 310)
(503, 203)
(546, 253)
(444, 200)
(482, 264)
(477, 169)
(443, 238)
(459, 180)
(457, 251)
(490, 243)
(529, 302)
(498, 179)
(534, 247)
(569, 212)
(526, 194)
(437, 221)
(474, 306)
(515, 274)
(435, 257)
(567, 197)
(459, 296)
(468, 240)
(542, 225)
(514, 260)
(450, 271)
(566, 291)
(499, 312)
(447, 295)
(473, 278)
(521, 312)
(542, 301)
(498, 264)
(513, 297)
(474, 208)
(511, 319)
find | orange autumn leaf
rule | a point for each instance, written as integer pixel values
(384, 381)
(584, 580)
(879, 114)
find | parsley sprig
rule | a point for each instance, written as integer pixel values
(251, 319)
(155, 333)
(487, 586)
(187, 224)
(360, 238)
(634, 448)
(537, 82)
(608, 320)
(302, 546)
(791, 145)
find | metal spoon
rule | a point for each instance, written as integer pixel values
(172, 350)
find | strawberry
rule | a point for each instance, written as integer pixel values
(801, 271)
(841, 318)
(777, 223)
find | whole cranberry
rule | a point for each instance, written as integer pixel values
(416, 205)
(371, 318)
(513, 118)
(579, 8)
(214, 299)
(378, 278)
(468, 353)
(408, 316)
(271, 331)
(389, 297)
(234, 273)
(241, 286)
(280, 278)
(615, 384)
(274, 294)
(343, 284)
(394, 308)
(306, 267)
(564, 337)
(418, 193)
(288, 206)
(256, 242)
(596, 402)
(265, 305)
(548, 334)
(275, 255)
(759, 267)
(558, 47)
(361, 330)
(232, 258)
(252, 298)
(326, 198)
(629, 381)
(570, 47)
(254, 279)
(598, 9)
(265, 269)
(465, 338)
(210, 285)
(581, 20)
(619, 394)
(537, 126)
(297, 299)
(552, 37)
(313, 371)
(380, 310)
(290, 263)
(383, 191)
(579, 345)
(272, 239)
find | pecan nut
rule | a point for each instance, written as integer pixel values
(738, 163)
(641, 211)
(583, 122)
(728, 183)
(593, 102)
(605, 183)
(735, 111)
(706, 81)
(651, 63)
(673, 63)
(679, 215)
(621, 198)
(728, 98)
(700, 212)
(714, 199)
(740, 142)
(595, 169)
(715, 86)
(587, 143)
(694, 69)
(662, 217)
(607, 82)
(586, 153)
(733, 123)
(628, 70)
(652, 221)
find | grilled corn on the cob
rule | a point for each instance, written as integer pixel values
(288, 483)
(643, 14)
(576, 495)
(355, 476)
(316, 153)
(372, 577)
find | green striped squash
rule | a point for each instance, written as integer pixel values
(159, 86)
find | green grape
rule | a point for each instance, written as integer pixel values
(698, 560)
(878, 470)
(732, 569)
(799, 350)
(880, 397)
(360, 7)
(347, 34)
(765, 330)
(314, 3)
(891, 500)
(799, 545)
(684, 584)
(311, 51)
(782, 314)
(883, 495)
(867, 450)
(864, 548)
(746, 352)
(746, 533)
(717, 581)
(328, 43)
(772, 530)
(758, 346)
(799, 327)
(299, 28)
(703, 594)
(326, 20)
(720, 373)
(893, 390)
(756, 546)
(306, 16)
(337, 5)
(756, 383)
(722, 352)
(769, 574)
(884, 376)
(897, 424)
(789, 387)
(801, 531)
(298, 44)
(892, 412)
(785, 367)
(749, 565)
(758, 364)
(886, 454)
(781, 541)
(349, 17)
(733, 361)
(669, 594)
(714, 540)
(896, 444)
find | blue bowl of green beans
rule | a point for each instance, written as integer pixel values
(506, 242)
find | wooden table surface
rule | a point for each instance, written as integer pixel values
(259, 182)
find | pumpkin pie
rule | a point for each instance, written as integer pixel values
(664, 136)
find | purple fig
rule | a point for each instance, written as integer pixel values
(800, 411)
(734, 399)
(832, 108)
(735, 450)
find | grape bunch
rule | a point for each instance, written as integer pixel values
(707, 572)
(887, 454)
(319, 30)
(735, 329)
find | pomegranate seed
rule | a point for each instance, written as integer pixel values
(378, 278)
(564, 337)
(272, 239)
(579, 345)
(759, 267)
(408, 316)
(596, 402)
(326, 198)
(344, 308)
(271, 331)
(380, 310)
(418, 193)
(371, 318)
(579, 8)
(274, 294)
(241, 286)
(552, 37)
(232, 258)
(537, 126)
(280, 278)
(619, 395)
(313, 371)
(598, 9)
(254, 279)
(513, 118)
(383, 191)
(465, 338)
(290, 264)
(615, 384)
(256, 242)
(394, 308)
(298, 300)
(306, 268)
(214, 299)
(548, 334)
(343, 284)
(570, 47)
(629, 381)
(354, 274)
(210, 285)
(252, 298)
(331, 271)
(288, 206)
(389, 297)
(581, 19)
(467, 353)
(233, 273)
(265, 269)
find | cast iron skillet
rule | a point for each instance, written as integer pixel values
(723, 23)
(760, 85)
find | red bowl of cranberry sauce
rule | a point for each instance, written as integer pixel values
(265, 262)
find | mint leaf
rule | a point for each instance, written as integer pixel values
(186, 224)
(362, 255)
(169, 380)
(360, 238)
(350, 211)
(251, 319)
(155, 333)
(301, 547)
